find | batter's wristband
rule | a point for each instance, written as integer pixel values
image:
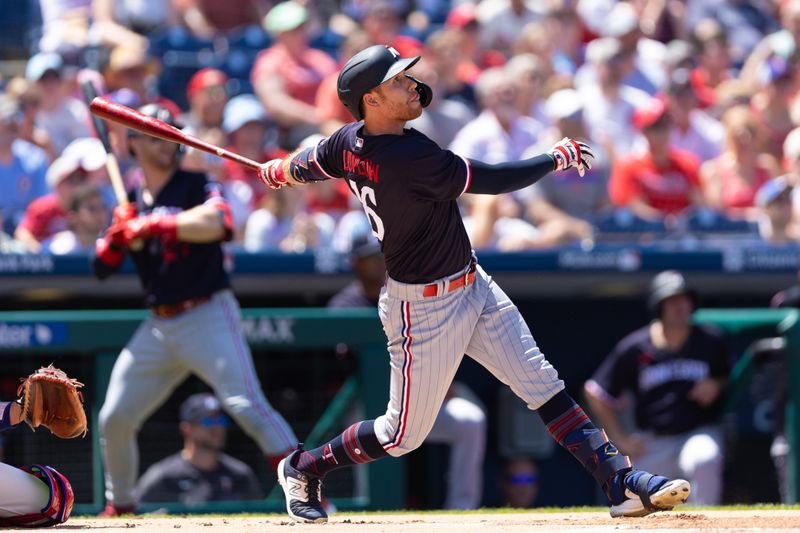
(109, 253)
(166, 226)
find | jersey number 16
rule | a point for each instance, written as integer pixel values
(367, 199)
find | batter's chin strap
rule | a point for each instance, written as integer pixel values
(424, 90)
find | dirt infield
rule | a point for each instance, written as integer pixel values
(701, 520)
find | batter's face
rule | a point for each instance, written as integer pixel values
(677, 310)
(154, 152)
(396, 98)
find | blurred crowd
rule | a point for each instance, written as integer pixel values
(689, 106)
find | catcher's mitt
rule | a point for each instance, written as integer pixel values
(50, 398)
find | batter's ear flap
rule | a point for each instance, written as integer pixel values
(424, 90)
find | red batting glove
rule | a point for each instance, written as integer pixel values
(110, 250)
(144, 227)
(123, 213)
(271, 173)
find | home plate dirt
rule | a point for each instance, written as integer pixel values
(583, 522)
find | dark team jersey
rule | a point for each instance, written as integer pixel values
(408, 188)
(660, 380)
(351, 296)
(174, 479)
(176, 271)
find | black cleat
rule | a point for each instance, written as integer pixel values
(303, 493)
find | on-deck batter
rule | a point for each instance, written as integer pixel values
(438, 303)
(194, 325)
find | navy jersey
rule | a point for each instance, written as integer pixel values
(660, 380)
(172, 272)
(408, 188)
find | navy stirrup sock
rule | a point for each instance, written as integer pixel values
(571, 427)
(358, 444)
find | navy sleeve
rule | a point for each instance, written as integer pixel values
(506, 177)
(5, 422)
(325, 160)
(436, 174)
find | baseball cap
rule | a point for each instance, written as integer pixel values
(198, 406)
(649, 113)
(774, 69)
(364, 244)
(41, 63)
(771, 190)
(85, 153)
(126, 97)
(563, 103)
(603, 50)
(203, 78)
(462, 15)
(665, 285)
(285, 16)
(621, 20)
(240, 110)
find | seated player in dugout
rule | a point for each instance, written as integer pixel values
(32, 496)
(200, 472)
(438, 303)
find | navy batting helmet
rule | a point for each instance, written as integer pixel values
(156, 111)
(665, 285)
(368, 69)
(161, 113)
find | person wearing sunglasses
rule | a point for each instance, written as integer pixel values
(200, 472)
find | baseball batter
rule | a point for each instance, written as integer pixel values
(438, 303)
(174, 234)
(34, 496)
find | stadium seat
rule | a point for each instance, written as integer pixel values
(708, 221)
(624, 221)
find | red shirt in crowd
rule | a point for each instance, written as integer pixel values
(302, 77)
(44, 217)
(666, 189)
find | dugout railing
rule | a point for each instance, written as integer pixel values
(100, 334)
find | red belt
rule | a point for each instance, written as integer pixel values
(461, 281)
(171, 310)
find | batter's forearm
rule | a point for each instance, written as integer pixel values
(200, 224)
(506, 177)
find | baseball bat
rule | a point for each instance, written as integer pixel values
(130, 118)
(112, 166)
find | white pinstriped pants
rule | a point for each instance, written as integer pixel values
(427, 337)
(206, 341)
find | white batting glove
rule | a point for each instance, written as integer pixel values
(569, 153)
(271, 173)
